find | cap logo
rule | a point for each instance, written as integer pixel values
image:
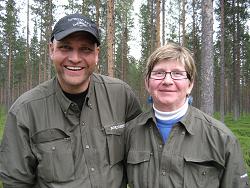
(79, 22)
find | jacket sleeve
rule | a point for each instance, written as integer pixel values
(17, 163)
(235, 174)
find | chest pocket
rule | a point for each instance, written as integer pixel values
(201, 173)
(115, 143)
(52, 148)
(138, 168)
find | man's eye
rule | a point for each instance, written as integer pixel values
(65, 47)
(86, 49)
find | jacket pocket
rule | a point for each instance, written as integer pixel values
(201, 173)
(54, 153)
(115, 143)
(138, 168)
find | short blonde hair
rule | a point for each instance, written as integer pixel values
(172, 51)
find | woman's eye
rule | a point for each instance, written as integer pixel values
(160, 73)
(177, 73)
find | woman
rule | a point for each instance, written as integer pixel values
(175, 145)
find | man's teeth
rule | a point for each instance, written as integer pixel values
(74, 68)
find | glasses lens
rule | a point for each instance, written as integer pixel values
(175, 75)
(178, 75)
(157, 75)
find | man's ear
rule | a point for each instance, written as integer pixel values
(51, 50)
(97, 55)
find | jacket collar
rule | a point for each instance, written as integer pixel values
(186, 120)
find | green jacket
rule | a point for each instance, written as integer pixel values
(200, 152)
(49, 142)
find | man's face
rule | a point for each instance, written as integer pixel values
(74, 58)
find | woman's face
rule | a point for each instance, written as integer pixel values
(168, 94)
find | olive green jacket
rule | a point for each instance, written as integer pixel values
(49, 142)
(200, 152)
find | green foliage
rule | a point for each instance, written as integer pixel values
(2, 120)
(241, 129)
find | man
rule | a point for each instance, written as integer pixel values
(67, 131)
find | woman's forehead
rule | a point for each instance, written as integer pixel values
(169, 63)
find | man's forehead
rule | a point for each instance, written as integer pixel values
(82, 35)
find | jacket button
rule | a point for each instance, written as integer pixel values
(204, 173)
(163, 172)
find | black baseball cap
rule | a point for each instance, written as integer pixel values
(73, 23)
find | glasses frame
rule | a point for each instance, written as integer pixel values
(171, 75)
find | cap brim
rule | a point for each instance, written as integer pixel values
(61, 35)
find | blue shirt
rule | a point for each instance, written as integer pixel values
(165, 127)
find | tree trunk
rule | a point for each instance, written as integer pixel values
(48, 34)
(97, 5)
(9, 99)
(163, 23)
(110, 36)
(124, 43)
(152, 25)
(184, 2)
(222, 64)
(27, 57)
(207, 66)
(236, 59)
(158, 23)
(196, 89)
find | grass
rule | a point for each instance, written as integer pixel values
(2, 120)
(241, 129)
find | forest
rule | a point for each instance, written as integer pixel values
(217, 33)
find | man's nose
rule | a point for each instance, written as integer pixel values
(75, 57)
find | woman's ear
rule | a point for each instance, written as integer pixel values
(146, 83)
(190, 87)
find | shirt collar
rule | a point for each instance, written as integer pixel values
(65, 102)
(62, 99)
(186, 120)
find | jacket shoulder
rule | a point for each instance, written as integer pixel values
(39, 92)
(210, 122)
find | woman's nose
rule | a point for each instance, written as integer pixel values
(168, 78)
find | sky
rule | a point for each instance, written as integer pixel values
(134, 44)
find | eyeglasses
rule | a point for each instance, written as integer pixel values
(175, 75)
